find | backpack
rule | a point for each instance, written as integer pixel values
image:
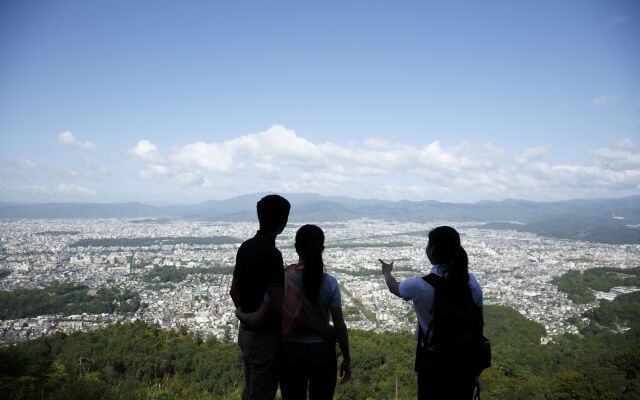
(454, 340)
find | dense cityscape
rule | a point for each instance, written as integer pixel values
(515, 269)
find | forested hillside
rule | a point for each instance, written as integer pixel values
(138, 361)
(579, 285)
(65, 299)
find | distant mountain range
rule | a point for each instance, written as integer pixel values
(600, 220)
(314, 207)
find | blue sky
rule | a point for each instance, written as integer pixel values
(162, 101)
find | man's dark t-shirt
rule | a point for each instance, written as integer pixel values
(259, 266)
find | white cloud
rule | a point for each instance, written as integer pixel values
(67, 138)
(617, 19)
(211, 156)
(183, 177)
(27, 164)
(623, 155)
(146, 151)
(154, 171)
(189, 178)
(34, 189)
(87, 171)
(603, 100)
(530, 154)
(280, 159)
(74, 189)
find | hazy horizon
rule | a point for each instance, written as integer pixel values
(285, 194)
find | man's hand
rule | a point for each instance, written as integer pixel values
(326, 331)
(345, 372)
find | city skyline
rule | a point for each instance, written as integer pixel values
(164, 103)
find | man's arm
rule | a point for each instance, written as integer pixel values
(275, 299)
(255, 319)
(390, 280)
(234, 292)
(326, 331)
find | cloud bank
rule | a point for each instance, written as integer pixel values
(279, 159)
(74, 189)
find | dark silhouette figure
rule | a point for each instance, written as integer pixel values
(448, 305)
(259, 272)
(311, 299)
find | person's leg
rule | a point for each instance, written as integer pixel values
(463, 388)
(294, 376)
(432, 382)
(261, 350)
(423, 382)
(264, 377)
(323, 373)
(436, 384)
(244, 352)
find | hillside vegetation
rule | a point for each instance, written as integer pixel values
(579, 286)
(65, 299)
(139, 361)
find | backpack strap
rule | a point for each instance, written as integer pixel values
(436, 281)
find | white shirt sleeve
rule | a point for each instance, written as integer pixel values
(335, 299)
(410, 288)
(476, 290)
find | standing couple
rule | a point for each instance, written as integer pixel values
(285, 335)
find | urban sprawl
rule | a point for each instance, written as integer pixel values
(515, 269)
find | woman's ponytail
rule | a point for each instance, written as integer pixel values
(310, 245)
(458, 267)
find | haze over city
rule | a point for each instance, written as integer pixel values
(163, 102)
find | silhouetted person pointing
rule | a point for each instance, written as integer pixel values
(451, 350)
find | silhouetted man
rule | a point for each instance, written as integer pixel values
(259, 271)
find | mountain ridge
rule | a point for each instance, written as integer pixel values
(310, 206)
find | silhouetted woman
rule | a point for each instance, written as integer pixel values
(439, 378)
(311, 297)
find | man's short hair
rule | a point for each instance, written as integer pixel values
(273, 211)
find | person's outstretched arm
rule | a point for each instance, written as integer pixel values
(343, 341)
(392, 283)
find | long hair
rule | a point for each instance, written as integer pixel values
(445, 242)
(310, 245)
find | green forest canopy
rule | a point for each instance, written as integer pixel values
(579, 285)
(174, 274)
(65, 299)
(139, 361)
(573, 227)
